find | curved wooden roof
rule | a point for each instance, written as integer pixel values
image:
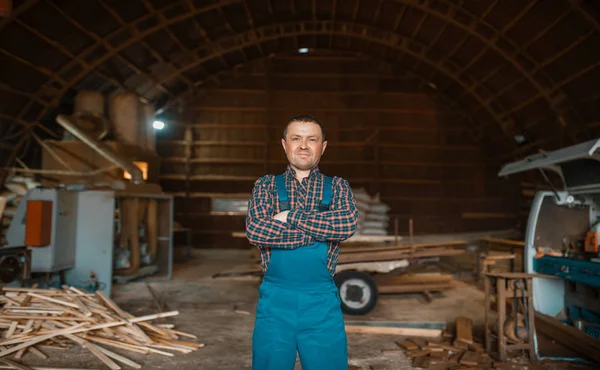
(512, 67)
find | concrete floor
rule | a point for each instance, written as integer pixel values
(207, 308)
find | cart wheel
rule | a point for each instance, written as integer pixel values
(358, 292)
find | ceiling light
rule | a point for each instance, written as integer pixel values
(303, 50)
(520, 139)
(158, 125)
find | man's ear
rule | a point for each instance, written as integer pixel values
(283, 145)
(324, 146)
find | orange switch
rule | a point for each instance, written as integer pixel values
(38, 223)
(591, 242)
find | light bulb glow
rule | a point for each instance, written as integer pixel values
(158, 125)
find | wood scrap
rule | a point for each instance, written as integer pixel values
(443, 352)
(464, 330)
(420, 342)
(420, 362)
(34, 318)
(407, 345)
(390, 330)
(470, 359)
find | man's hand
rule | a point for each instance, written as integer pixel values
(281, 216)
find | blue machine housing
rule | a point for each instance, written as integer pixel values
(578, 271)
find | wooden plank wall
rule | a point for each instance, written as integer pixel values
(384, 134)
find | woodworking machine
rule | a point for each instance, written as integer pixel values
(561, 239)
(100, 215)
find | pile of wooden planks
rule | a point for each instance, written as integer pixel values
(399, 252)
(458, 351)
(416, 283)
(34, 319)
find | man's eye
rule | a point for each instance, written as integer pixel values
(295, 139)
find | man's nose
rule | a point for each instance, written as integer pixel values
(303, 144)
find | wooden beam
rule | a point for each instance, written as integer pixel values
(484, 215)
(180, 177)
(568, 336)
(228, 126)
(434, 112)
(467, 148)
(290, 30)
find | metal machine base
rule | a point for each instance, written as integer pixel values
(516, 326)
(15, 264)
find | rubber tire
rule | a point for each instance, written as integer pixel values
(347, 275)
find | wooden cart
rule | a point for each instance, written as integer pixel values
(365, 272)
(372, 265)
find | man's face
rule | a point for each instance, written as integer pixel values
(304, 145)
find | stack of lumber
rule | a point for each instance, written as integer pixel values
(34, 319)
(373, 218)
(458, 351)
(399, 252)
(416, 283)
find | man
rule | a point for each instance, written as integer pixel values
(297, 220)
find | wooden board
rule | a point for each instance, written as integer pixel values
(427, 333)
(568, 336)
(470, 358)
(412, 288)
(464, 330)
(403, 247)
(407, 345)
(424, 278)
(432, 330)
(396, 255)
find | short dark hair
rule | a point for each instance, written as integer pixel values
(303, 118)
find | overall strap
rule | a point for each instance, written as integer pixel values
(327, 194)
(284, 203)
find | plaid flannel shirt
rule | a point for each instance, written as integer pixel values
(305, 224)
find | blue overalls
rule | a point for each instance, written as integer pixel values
(299, 307)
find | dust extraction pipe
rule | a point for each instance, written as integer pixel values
(103, 150)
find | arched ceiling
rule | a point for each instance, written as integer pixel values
(512, 67)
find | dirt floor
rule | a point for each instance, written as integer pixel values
(220, 312)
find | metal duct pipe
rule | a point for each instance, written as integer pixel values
(103, 150)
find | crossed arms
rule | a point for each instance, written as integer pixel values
(301, 228)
